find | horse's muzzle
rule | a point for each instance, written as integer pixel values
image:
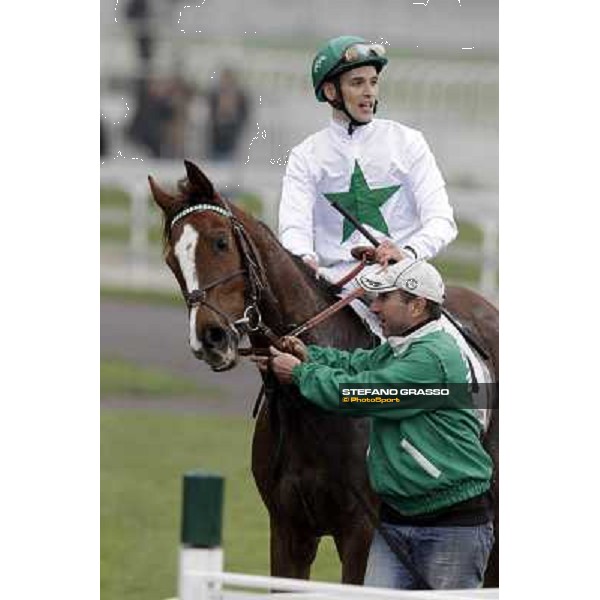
(219, 347)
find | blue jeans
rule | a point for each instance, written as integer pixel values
(446, 557)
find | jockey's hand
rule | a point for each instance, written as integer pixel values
(368, 251)
(387, 251)
(295, 346)
(282, 365)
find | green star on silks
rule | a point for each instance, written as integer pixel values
(363, 203)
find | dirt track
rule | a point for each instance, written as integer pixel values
(156, 336)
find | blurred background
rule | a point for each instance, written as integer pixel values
(227, 84)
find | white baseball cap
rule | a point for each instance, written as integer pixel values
(415, 276)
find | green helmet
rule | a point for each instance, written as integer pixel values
(343, 54)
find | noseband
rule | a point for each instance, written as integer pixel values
(252, 273)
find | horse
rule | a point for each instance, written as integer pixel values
(309, 465)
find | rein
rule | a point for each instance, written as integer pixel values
(328, 312)
(331, 310)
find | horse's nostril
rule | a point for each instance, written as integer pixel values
(214, 336)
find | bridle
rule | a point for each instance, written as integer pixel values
(252, 272)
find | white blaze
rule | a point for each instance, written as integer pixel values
(185, 251)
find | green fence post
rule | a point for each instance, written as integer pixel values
(201, 535)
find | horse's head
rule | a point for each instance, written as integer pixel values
(204, 251)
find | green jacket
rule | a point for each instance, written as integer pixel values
(419, 460)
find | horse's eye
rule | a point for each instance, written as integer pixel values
(221, 244)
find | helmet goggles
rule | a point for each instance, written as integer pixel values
(361, 52)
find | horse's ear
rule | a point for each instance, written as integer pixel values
(199, 181)
(164, 200)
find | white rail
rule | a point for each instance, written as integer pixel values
(207, 585)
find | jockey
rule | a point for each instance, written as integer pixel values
(381, 171)
(428, 466)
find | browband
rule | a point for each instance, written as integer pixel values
(200, 208)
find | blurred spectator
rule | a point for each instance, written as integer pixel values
(153, 112)
(180, 93)
(160, 117)
(139, 15)
(228, 113)
(103, 139)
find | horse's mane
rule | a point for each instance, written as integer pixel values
(326, 288)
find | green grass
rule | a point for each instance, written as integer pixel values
(114, 232)
(116, 198)
(142, 296)
(143, 457)
(468, 234)
(111, 197)
(119, 232)
(250, 203)
(122, 378)
(453, 271)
